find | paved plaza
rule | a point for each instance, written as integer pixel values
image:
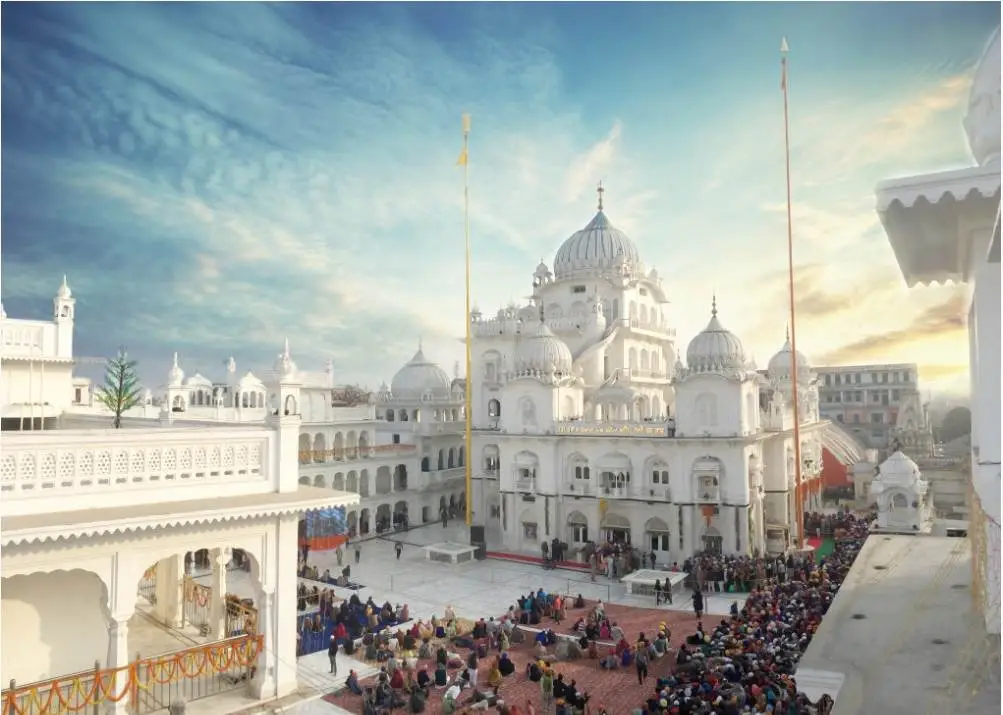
(476, 589)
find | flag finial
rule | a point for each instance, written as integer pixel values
(600, 191)
(466, 123)
(784, 49)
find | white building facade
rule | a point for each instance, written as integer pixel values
(36, 365)
(946, 227)
(96, 526)
(588, 425)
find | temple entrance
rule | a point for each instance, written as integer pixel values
(616, 529)
(713, 542)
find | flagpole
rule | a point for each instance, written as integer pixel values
(798, 487)
(468, 387)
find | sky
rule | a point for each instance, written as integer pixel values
(213, 178)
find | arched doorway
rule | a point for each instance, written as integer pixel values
(712, 540)
(616, 529)
(400, 515)
(352, 523)
(578, 529)
(659, 539)
(365, 522)
(426, 514)
(384, 518)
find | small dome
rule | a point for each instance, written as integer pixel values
(598, 246)
(418, 376)
(284, 365)
(899, 469)
(197, 380)
(715, 349)
(544, 352)
(250, 381)
(64, 292)
(175, 376)
(982, 120)
(779, 367)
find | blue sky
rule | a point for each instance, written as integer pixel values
(215, 177)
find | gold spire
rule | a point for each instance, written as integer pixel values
(713, 306)
(600, 191)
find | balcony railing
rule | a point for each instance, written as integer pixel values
(525, 485)
(95, 462)
(321, 456)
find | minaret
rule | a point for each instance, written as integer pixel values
(62, 314)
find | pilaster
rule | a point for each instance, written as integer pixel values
(686, 533)
(743, 530)
(674, 530)
(168, 590)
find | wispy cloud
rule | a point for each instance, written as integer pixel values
(214, 178)
(942, 320)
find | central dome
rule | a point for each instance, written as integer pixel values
(418, 376)
(597, 247)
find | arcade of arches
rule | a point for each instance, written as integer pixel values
(401, 514)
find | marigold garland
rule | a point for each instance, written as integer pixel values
(86, 690)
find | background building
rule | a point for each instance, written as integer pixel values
(877, 404)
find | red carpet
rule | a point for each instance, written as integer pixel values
(535, 560)
(814, 543)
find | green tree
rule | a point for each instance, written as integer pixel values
(121, 390)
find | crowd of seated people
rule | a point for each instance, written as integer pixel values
(745, 663)
(347, 621)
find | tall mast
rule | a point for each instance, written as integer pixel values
(798, 487)
(468, 387)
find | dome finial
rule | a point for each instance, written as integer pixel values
(787, 335)
(600, 191)
(713, 305)
(420, 349)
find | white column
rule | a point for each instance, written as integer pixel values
(283, 612)
(168, 590)
(687, 531)
(118, 657)
(217, 604)
(263, 683)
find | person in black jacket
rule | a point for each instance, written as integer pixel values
(698, 603)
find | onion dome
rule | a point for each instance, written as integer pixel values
(779, 367)
(175, 376)
(544, 353)
(599, 246)
(715, 349)
(64, 292)
(420, 376)
(284, 366)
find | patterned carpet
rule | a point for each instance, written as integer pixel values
(618, 690)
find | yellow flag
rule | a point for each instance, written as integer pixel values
(464, 157)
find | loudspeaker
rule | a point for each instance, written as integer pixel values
(476, 535)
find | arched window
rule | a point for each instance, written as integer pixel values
(424, 464)
(494, 409)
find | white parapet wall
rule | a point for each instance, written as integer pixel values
(42, 472)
